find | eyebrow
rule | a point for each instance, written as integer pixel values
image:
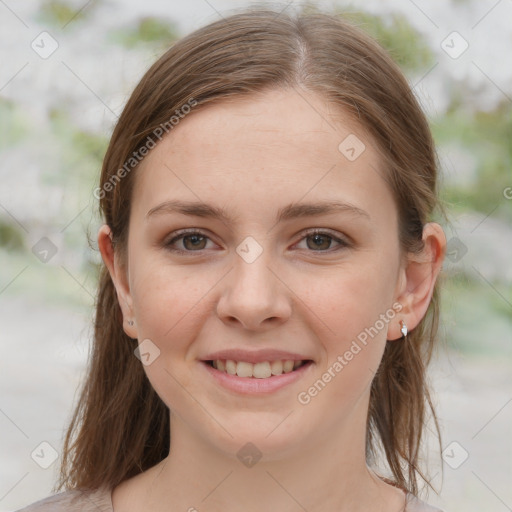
(291, 211)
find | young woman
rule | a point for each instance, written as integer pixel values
(268, 303)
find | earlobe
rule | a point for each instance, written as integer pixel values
(118, 275)
(421, 274)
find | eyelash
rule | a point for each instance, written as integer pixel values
(183, 234)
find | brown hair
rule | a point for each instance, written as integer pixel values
(120, 426)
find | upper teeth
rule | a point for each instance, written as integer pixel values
(259, 370)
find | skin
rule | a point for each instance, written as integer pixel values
(251, 157)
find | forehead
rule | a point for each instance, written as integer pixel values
(262, 123)
(261, 150)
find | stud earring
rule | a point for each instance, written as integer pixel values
(403, 328)
(130, 322)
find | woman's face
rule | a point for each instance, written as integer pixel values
(258, 279)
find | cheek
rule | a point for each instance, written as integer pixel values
(167, 302)
(353, 309)
(349, 299)
(170, 307)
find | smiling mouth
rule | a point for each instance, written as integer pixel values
(263, 370)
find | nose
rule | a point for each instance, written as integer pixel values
(254, 295)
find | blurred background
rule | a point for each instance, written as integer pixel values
(67, 69)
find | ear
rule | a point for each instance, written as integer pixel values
(418, 278)
(119, 276)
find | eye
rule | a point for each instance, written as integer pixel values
(320, 241)
(193, 241)
(196, 241)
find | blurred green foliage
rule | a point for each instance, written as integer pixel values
(476, 320)
(13, 129)
(84, 150)
(147, 30)
(80, 162)
(11, 237)
(486, 136)
(59, 13)
(13, 125)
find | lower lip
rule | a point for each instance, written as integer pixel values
(254, 386)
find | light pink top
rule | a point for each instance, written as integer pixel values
(100, 500)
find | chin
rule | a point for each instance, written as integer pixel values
(260, 435)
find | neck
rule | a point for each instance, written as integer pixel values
(322, 476)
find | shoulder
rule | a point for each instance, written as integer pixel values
(96, 500)
(414, 504)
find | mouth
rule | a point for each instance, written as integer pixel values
(261, 378)
(261, 370)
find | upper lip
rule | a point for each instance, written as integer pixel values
(255, 356)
